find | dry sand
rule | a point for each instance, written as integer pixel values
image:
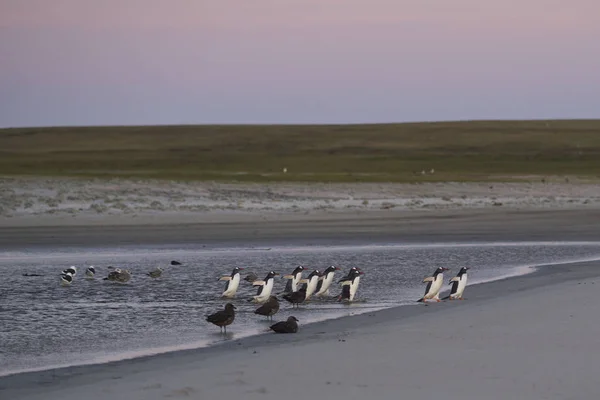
(529, 337)
(40, 201)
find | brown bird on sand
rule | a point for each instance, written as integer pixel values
(289, 326)
(268, 309)
(224, 317)
(296, 297)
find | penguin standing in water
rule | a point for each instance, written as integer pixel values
(325, 281)
(310, 283)
(233, 282)
(264, 288)
(434, 285)
(294, 279)
(459, 282)
(350, 284)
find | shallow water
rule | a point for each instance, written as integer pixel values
(43, 324)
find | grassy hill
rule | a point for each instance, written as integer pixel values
(458, 151)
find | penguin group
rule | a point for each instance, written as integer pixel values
(317, 284)
(298, 290)
(436, 281)
(68, 275)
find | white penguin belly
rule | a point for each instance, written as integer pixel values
(436, 285)
(266, 292)
(232, 286)
(462, 283)
(354, 288)
(325, 285)
(312, 285)
(296, 281)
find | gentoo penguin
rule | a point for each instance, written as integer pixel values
(296, 297)
(289, 326)
(90, 272)
(294, 278)
(223, 318)
(155, 273)
(325, 281)
(233, 282)
(348, 276)
(268, 309)
(264, 288)
(66, 279)
(434, 284)
(458, 285)
(71, 270)
(310, 283)
(350, 285)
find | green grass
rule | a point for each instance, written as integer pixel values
(458, 151)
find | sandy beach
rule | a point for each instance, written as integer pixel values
(522, 337)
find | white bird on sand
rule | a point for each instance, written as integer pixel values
(90, 272)
(434, 285)
(459, 282)
(155, 273)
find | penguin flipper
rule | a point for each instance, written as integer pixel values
(429, 279)
(421, 300)
(225, 278)
(455, 279)
(258, 283)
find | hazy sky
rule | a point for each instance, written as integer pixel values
(91, 62)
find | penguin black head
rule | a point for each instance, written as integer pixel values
(314, 273)
(331, 269)
(271, 275)
(236, 270)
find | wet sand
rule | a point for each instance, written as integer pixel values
(326, 228)
(526, 337)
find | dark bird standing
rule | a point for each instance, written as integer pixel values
(223, 318)
(270, 308)
(296, 297)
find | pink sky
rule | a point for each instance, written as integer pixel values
(67, 62)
